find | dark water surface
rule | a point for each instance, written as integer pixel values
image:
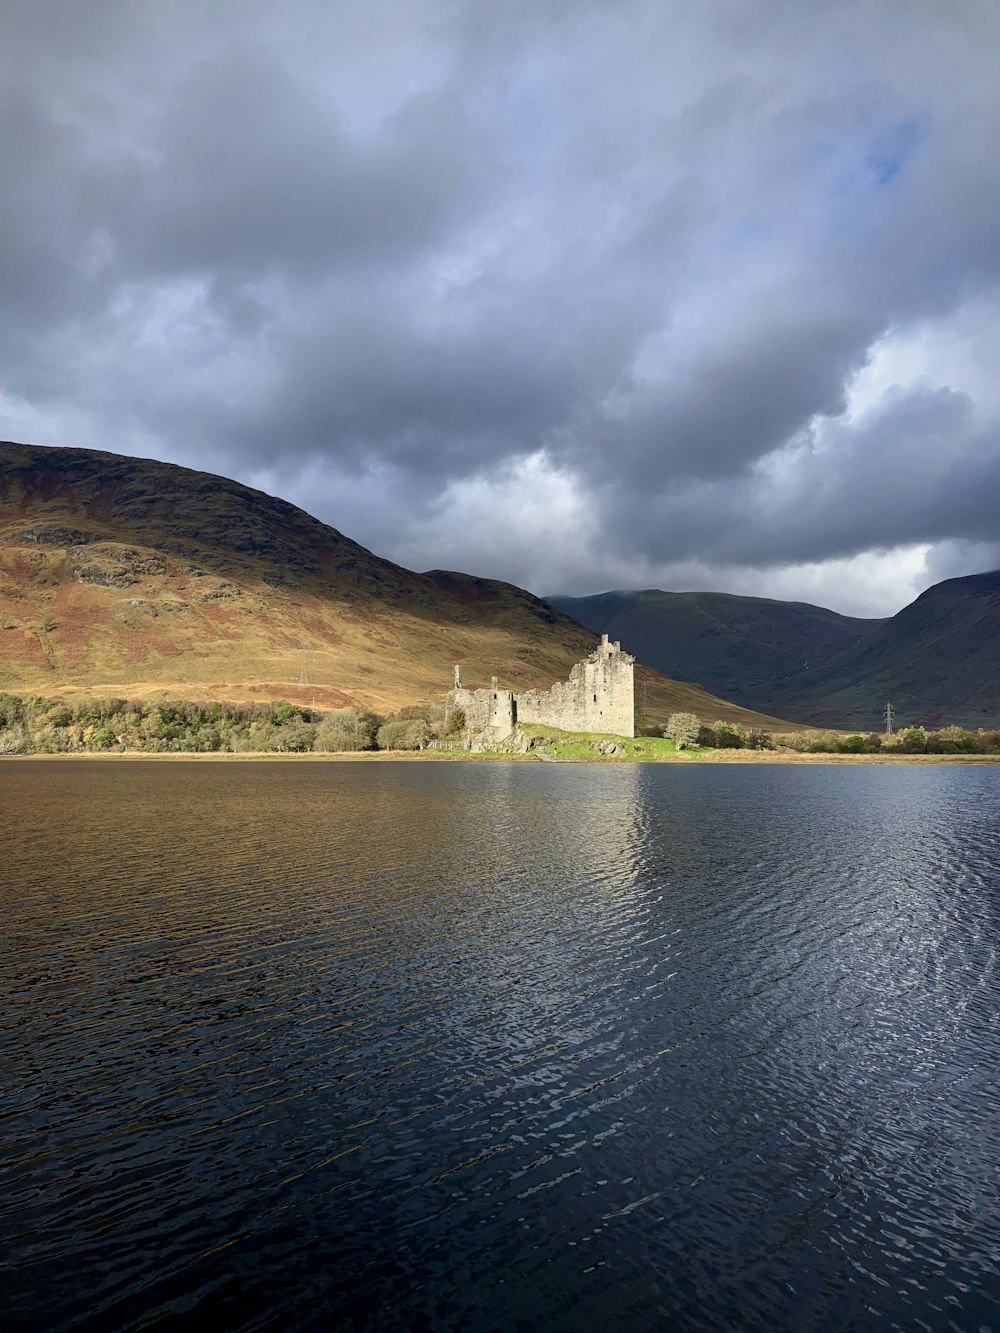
(499, 1046)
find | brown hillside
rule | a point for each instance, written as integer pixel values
(121, 576)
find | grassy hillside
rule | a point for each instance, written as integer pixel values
(937, 661)
(729, 645)
(120, 576)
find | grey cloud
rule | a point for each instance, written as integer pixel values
(250, 174)
(920, 470)
(654, 244)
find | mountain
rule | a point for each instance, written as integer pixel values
(937, 661)
(122, 576)
(730, 645)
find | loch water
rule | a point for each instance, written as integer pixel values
(427, 1046)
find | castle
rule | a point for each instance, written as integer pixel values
(599, 696)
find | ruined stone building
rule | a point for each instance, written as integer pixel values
(599, 696)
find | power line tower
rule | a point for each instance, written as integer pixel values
(888, 715)
(303, 673)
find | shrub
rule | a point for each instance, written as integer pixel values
(99, 736)
(399, 733)
(796, 740)
(913, 740)
(456, 722)
(346, 729)
(760, 740)
(283, 712)
(852, 744)
(683, 729)
(295, 737)
(729, 735)
(11, 711)
(14, 739)
(824, 742)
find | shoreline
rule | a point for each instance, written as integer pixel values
(435, 757)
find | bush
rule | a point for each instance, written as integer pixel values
(852, 744)
(400, 733)
(99, 737)
(14, 739)
(283, 713)
(296, 737)
(683, 729)
(456, 722)
(797, 741)
(11, 711)
(346, 729)
(760, 740)
(913, 740)
(823, 742)
(729, 735)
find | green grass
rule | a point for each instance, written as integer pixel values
(581, 744)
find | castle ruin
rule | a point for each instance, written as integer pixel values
(599, 696)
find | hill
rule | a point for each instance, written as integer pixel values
(730, 645)
(937, 661)
(122, 576)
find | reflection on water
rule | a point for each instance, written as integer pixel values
(499, 1046)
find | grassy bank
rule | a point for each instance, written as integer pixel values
(570, 755)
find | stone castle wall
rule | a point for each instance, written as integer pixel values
(599, 696)
(492, 709)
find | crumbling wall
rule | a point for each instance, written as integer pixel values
(599, 696)
(493, 708)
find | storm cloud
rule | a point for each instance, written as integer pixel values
(582, 296)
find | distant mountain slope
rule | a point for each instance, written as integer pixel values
(137, 578)
(729, 645)
(937, 662)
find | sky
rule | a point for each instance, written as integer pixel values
(578, 295)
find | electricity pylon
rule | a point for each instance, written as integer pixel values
(888, 715)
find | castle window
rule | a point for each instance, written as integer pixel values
(595, 698)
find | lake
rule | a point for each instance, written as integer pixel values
(499, 1046)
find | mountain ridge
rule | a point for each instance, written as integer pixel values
(145, 579)
(937, 660)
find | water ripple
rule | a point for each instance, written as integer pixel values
(499, 1046)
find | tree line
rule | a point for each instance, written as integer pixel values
(687, 731)
(33, 725)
